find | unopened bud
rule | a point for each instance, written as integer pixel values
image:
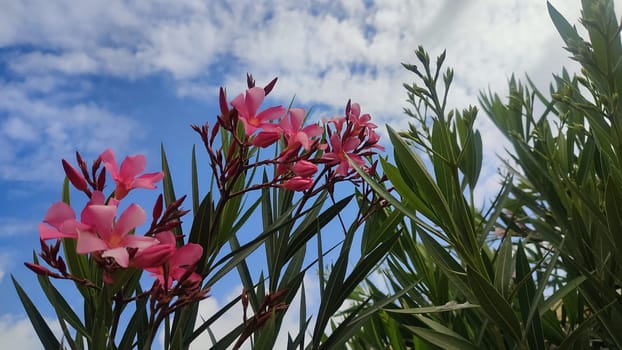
(39, 270)
(270, 86)
(76, 179)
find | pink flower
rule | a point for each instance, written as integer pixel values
(178, 263)
(61, 222)
(363, 126)
(247, 106)
(125, 177)
(298, 183)
(295, 134)
(340, 151)
(110, 237)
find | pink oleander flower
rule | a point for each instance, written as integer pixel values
(295, 135)
(298, 183)
(247, 106)
(61, 223)
(110, 237)
(340, 150)
(178, 263)
(362, 125)
(126, 177)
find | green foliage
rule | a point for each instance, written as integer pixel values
(553, 277)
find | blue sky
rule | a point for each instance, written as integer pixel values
(88, 75)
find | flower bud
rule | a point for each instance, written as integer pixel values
(76, 179)
(298, 183)
(304, 168)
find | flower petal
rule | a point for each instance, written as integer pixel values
(297, 116)
(271, 113)
(186, 255)
(58, 213)
(46, 232)
(132, 166)
(166, 237)
(101, 218)
(110, 162)
(148, 180)
(89, 242)
(120, 255)
(131, 218)
(140, 242)
(254, 99)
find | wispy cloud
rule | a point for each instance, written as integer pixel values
(325, 52)
(36, 128)
(17, 333)
(13, 227)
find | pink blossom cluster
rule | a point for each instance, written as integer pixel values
(109, 236)
(304, 147)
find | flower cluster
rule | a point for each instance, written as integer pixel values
(109, 237)
(304, 148)
(104, 251)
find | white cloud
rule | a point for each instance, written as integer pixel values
(13, 227)
(47, 127)
(233, 317)
(17, 333)
(324, 52)
(5, 264)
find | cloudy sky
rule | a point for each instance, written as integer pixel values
(88, 75)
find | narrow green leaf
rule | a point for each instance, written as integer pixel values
(526, 296)
(48, 340)
(503, 266)
(441, 340)
(195, 182)
(450, 306)
(167, 186)
(62, 308)
(493, 303)
(570, 286)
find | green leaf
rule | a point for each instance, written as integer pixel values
(568, 33)
(195, 182)
(493, 303)
(41, 327)
(167, 186)
(570, 286)
(526, 297)
(450, 306)
(62, 308)
(440, 335)
(353, 321)
(412, 165)
(503, 266)
(136, 326)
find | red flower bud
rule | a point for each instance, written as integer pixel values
(298, 183)
(304, 168)
(266, 138)
(270, 86)
(39, 270)
(76, 179)
(222, 99)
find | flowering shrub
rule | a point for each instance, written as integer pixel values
(105, 251)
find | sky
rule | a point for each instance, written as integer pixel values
(90, 75)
